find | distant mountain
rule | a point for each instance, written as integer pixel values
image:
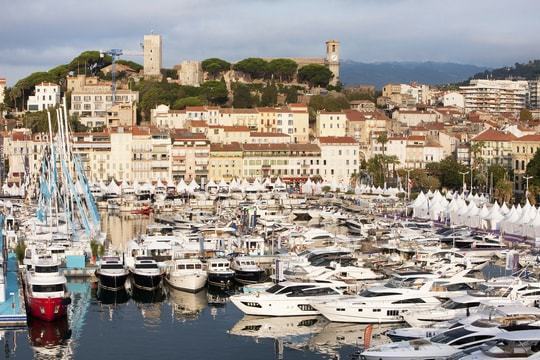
(527, 71)
(381, 73)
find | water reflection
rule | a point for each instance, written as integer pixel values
(108, 297)
(313, 333)
(186, 306)
(50, 340)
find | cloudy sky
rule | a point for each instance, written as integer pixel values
(38, 34)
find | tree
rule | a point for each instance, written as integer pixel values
(242, 97)
(282, 69)
(291, 95)
(533, 169)
(315, 75)
(187, 101)
(497, 173)
(525, 115)
(448, 172)
(215, 92)
(269, 95)
(256, 68)
(503, 190)
(215, 66)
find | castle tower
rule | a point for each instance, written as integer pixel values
(152, 55)
(332, 59)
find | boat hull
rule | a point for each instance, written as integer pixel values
(146, 281)
(191, 283)
(222, 280)
(249, 277)
(47, 309)
(112, 282)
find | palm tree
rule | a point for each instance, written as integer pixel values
(382, 139)
(503, 190)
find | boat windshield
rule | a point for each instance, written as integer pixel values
(146, 266)
(46, 269)
(452, 305)
(368, 293)
(48, 288)
(112, 266)
(397, 283)
(451, 335)
(274, 289)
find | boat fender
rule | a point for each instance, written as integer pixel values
(66, 301)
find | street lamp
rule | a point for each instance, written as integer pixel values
(527, 185)
(463, 174)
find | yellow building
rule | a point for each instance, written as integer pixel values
(331, 124)
(523, 150)
(225, 161)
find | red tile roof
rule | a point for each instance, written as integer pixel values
(234, 146)
(267, 134)
(494, 135)
(529, 138)
(236, 129)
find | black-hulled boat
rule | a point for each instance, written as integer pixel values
(220, 273)
(146, 274)
(112, 273)
(246, 271)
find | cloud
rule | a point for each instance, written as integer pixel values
(482, 32)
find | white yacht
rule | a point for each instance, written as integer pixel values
(286, 299)
(521, 344)
(186, 274)
(376, 305)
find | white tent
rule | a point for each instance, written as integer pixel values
(181, 187)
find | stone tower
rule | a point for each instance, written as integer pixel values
(152, 55)
(332, 59)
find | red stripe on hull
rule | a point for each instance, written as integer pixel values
(48, 309)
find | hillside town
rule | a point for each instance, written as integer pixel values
(233, 183)
(406, 125)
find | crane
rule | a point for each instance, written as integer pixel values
(115, 54)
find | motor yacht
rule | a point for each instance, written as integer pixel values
(186, 274)
(112, 273)
(522, 344)
(219, 272)
(287, 299)
(146, 273)
(246, 271)
(45, 292)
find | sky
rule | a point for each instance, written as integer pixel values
(36, 35)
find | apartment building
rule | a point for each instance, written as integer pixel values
(523, 150)
(363, 105)
(534, 94)
(411, 152)
(225, 161)
(46, 95)
(495, 96)
(23, 151)
(414, 117)
(189, 156)
(496, 147)
(291, 162)
(339, 158)
(331, 124)
(92, 105)
(362, 125)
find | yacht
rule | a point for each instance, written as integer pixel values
(146, 273)
(112, 273)
(447, 344)
(46, 296)
(287, 299)
(246, 271)
(375, 306)
(186, 274)
(219, 272)
(521, 344)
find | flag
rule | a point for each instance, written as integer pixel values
(367, 336)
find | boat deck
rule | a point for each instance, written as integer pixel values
(12, 311)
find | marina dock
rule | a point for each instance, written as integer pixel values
(12, 311)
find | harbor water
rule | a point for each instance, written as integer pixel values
(171, 324)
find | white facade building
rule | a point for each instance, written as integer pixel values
(331, 124)
(46, 95)
(2, 89)
(453, 98)
(496, 96)
(339, 157)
